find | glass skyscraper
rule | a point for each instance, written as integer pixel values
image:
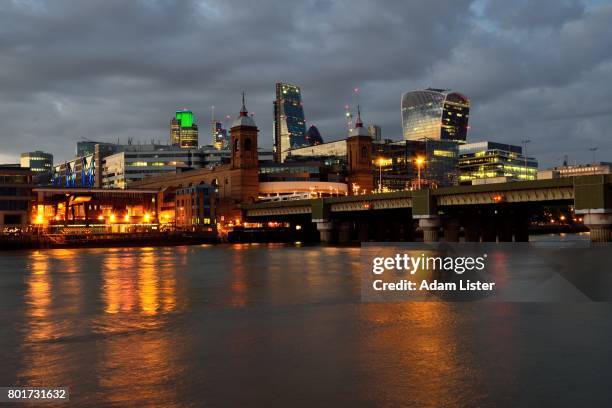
(184, 130)
(435, 114)
(289, 124)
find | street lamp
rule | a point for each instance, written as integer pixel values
(419, 162)
(524, 142)
(381, 161)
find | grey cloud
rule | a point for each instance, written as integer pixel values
(116, 69)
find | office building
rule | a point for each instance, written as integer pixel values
(435, 114)
(15, 198)
(135, 162)
(79, 172)
(414, 164)
(575, 170)
(37, 162)
(289, 127)
(195, 207)
(321, 151)
(41, 165)
(375, 132)
(184, 130)
(219, 137)
(495, 162)
(313, 136)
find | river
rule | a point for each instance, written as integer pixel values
(275, 325)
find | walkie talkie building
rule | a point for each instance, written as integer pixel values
(435, 114)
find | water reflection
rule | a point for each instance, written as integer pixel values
(267, 325)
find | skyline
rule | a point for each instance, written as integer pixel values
(111, 70)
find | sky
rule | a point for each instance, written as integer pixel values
(114, 69)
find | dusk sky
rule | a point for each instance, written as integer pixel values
(117, 69)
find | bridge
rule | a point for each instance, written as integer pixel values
(489, 212)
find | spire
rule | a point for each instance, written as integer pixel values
(243, 110)
(359, 123)
(359, 129)
(243, 118)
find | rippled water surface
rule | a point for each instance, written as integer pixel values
(270, 325)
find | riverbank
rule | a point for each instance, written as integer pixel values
(106, 240)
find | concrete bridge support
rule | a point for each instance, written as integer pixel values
(505, 230)
(430, 227)
(471, 228)
(326, 232)
(363, 231)
(344, 232)
(600, 226)
(451, 230)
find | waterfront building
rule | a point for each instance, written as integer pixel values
(79, 172)
(15, 198)
(195, 207)
(184, 130)
(575, 170)
(289, 127)
(435, 114)
(494, 162)
(313, 137)
(375, 132)
(93, 210)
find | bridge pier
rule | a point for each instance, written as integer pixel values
(363, 233)
(430, 227)
(504, 230)
(451, 230)
(326, 231)
(344, 232)
(600, 226)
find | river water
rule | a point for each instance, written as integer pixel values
(271, 325)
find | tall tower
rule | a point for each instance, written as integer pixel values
(184, 130)
(289, 124)
(435, 114)
(359, 151)
(243, 135)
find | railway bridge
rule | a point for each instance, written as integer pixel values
(490, 212)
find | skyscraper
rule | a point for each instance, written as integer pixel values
(289, 124)
(435, 114)
(375, 132)
(313, 137)
(184, 130)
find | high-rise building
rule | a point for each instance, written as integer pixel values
(313, 136)
(39, 162)
(289, 125)
(375, 132)
(184, 130)
(435, 114)
(15, 198)
(483, 162)
(219, 137)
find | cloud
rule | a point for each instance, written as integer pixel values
(116, 70)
